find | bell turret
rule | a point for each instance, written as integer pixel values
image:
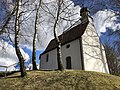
(85, 15)
(84, 11)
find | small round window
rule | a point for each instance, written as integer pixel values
(67, 46)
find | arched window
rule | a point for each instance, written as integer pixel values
(68, 63)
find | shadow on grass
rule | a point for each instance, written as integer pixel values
(14, 76)
(7, 74)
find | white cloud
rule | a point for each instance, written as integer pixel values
(103, 19)
(8, 55)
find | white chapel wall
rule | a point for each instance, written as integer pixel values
(73, 51)
(93, 59)
(51, 64)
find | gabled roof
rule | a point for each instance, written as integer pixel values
(68, 36)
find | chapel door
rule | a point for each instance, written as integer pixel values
(68, 63)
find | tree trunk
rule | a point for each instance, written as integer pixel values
(59, 57)
(17, 31)
(35, 38)
(59, 54)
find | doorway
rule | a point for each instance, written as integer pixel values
(68, 63)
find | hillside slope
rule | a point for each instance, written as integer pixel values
(56, 80)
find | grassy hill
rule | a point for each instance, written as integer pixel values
(56, 80)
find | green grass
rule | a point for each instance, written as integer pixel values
(56, 80)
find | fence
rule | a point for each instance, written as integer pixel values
(6, 67)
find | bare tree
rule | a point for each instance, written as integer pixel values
(114, 68)
(59, 55)
(8, 26)
(17, 32)
(35, 37)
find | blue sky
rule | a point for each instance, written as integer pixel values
(29, 52)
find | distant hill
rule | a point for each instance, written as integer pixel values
(56, 80)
